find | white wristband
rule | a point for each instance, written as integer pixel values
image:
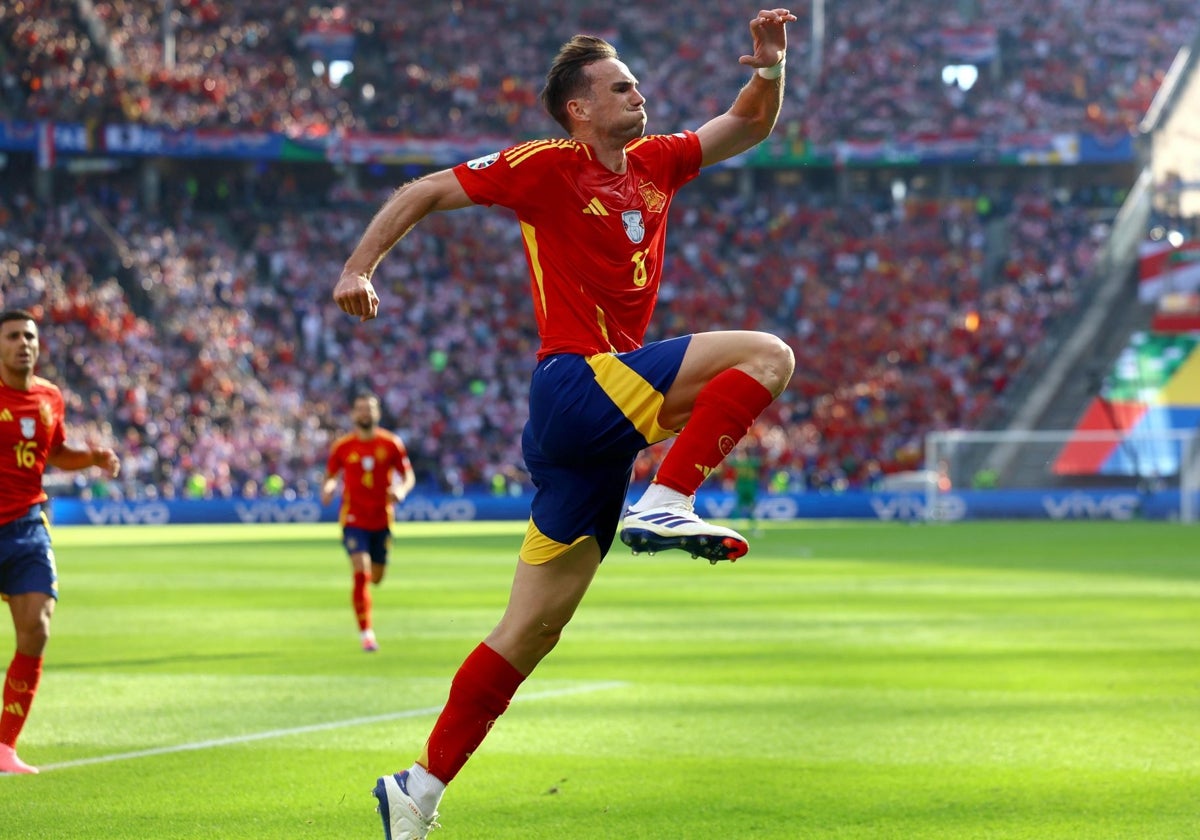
(774, 71)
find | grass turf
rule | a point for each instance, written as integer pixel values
(845, 680)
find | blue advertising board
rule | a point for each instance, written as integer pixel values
(66, 139)
(884, 507)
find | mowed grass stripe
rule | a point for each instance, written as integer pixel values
(845, 680)
(304, 730)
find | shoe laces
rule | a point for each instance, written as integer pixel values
(687, 503)
(429, 823)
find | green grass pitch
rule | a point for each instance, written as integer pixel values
(845, 680)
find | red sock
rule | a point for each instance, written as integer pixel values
(724, 411)
(479, 694)
(19, 687)
(362, 600)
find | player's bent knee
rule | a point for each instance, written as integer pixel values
(33, 642)
(772, 363)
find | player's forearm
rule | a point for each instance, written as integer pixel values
(68, 457)
(328, 486)
(758, 104)
(399, 490)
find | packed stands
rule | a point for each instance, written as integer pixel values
(199, 335)
(239, 368)
(432, 70)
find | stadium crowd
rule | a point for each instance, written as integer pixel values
(236, 369)
(205, 346)
(445, 69)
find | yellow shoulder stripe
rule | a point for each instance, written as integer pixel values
(522, 153)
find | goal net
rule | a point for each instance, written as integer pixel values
(1076, 474)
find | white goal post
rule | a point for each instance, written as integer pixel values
(1116, 474)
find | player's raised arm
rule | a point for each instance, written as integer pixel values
(354, 293)
(752, 116)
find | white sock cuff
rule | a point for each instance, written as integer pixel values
(657, 495)
(425, 788)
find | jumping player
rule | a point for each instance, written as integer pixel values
(32, 437)
(593, 215)
(377, 474)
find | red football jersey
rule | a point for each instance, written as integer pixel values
(31, 426)
(367, 468)
(593, 239)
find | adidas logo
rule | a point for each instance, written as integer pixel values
(665, 518)
(5, 416)
(15, 709)
(594, 208)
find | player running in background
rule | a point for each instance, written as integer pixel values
(32, 437)
(593, 215)
(376, 474)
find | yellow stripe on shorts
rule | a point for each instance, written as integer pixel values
(634, 396)
(538, 548)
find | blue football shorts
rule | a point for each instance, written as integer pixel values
(375, 543)
(26, 558)
(588, 419)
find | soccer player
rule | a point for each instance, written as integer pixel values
(593, 216)
(376, 475)
(746, 467)
(32, 437)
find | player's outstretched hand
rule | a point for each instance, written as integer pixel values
(770, 38)
(355, 295)
(107, 460)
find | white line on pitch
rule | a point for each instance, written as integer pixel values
(301, 730)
